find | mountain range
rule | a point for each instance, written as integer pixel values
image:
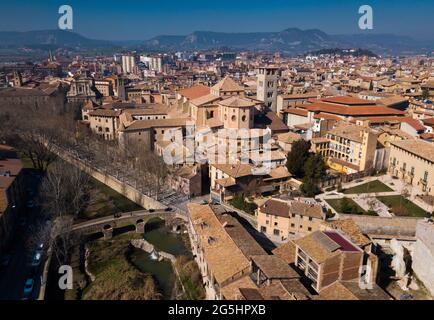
(289, 41)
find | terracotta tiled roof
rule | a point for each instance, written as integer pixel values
(227, 84)
(195, 92)
(235, 170)
(351, 290)
(347, 100)
(286, 252)
(224, 259)
(237, 102)
(422, 149)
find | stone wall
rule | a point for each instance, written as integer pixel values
(144, 245)
(394, 226)
(423, 254)
(126, 190)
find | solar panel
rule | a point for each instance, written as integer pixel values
(325, 241)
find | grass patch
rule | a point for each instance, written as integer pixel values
(240, 203)
(369, 187)
(104, 201)
(402, 207)
(116, 278)
(347, 206)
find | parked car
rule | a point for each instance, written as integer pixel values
(40, 248)
(36, 259)
(28, 287)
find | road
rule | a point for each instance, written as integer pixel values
(13, 277)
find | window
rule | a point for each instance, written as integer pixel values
(244, 118)
(425, 176)
(275, 224)
(234, 118)
(310, 219)
(263, 229)
(276, 232)
(309, 229)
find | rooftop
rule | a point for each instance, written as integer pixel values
(422, 149)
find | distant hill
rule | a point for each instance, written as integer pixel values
(56, 38)
(292, 41)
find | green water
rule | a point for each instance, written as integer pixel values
(158, 235)
(161, 271)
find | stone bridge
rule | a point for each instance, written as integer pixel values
(106, 225)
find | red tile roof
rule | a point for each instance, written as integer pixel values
(195, 92)
(346, 100)
(351, 110)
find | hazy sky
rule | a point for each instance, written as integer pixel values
(143, 19)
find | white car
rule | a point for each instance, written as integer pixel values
(36, 259)
(28, 287)
(40, 248)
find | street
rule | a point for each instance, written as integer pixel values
(13, 277)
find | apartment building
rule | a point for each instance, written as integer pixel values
(329, 256)
(231, 180)
(281, 220)
(348, 148)
(105, 123)
(233, 265)
(105, 87)
(413, 162)
(11, 192)
(128, 63)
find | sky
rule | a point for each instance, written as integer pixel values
(143, 19)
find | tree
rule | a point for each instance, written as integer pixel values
(62, 196)
(314, 171)
(345, 205)
(298, 157)
(425, 93)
